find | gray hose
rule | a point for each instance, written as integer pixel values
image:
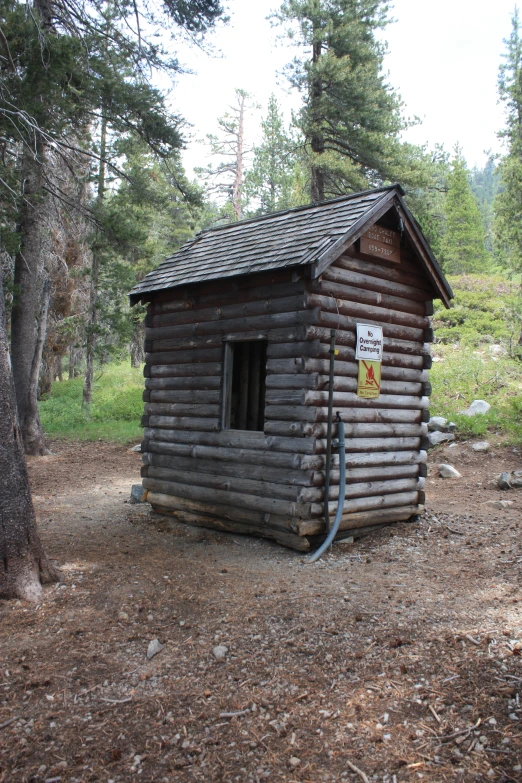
(340, 503)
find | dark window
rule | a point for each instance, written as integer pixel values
(244, 385)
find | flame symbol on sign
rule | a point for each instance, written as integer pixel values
(370, 376)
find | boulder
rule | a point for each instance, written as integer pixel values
(480, 446)
(504, 481)
(437, 437)
(501, 505)
(448, 471)
(138, 494)
(437, 423)
(476, 407)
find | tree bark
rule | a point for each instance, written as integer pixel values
(317, 140)
(137, 349)
(237, 190)
(92, 325)
(27, 300)
(23, 564)
(33, 437)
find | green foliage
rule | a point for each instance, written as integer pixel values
(485, 184)
(351, 118)
(269, 183)
(462, 248)
(485, 310)
(463, 375)
(508, 202)
(115, 412)
(475, 356)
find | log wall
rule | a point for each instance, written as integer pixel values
(271, 483)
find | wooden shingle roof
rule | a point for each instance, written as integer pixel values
(314, 235)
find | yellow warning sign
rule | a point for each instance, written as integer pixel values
(369, 380)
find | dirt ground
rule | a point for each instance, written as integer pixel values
(397, 658)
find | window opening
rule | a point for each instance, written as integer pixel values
(244, 385)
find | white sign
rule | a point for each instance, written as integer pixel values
(369, 342)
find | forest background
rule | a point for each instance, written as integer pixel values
(93, 193)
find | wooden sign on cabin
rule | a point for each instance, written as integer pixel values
(382, 242)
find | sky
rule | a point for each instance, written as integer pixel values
(443, 60)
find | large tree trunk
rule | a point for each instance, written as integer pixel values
(23, 564)
(317, 139)
(26, 304)
(92, 325)
(137, 348)
(237, 190)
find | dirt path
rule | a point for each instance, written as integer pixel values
(399, 654)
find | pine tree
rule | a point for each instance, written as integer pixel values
(270, 180)
(463, 248)
(227, 176)
(485, 185)
(508, 202)
(351, 118)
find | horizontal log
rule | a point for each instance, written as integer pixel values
(240, 484)
(235, 455)
(365, 489)
(180, 395)
(193, 370)
(313, 414)
(342, 320)
(290, 540)
(350, 293)
(347, 399)
(300, 429)
(376, 444)
(211, 384)
(180, 409)
(390, 345)
(184, 423)
(375, 277)
(224, 313)
(375, 459)
(379, 473)
(294, 381)
(360, 519)
(278, 320)
(194, 301)
(396, 499)
(225, 497)
(232, 513)
(181, 357)
(297, 478)
(306, 364)
(235, 285)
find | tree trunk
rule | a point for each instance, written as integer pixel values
(33, 437)
(27, 300)
(92, 324)
(137, 349)
(237, 191)
(317, 140)
(23, 564)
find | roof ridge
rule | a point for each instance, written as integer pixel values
(301, 208)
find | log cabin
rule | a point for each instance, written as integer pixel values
(244, 325)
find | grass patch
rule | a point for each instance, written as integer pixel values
(462, 375)
(115, 412)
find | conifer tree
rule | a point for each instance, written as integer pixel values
(226, 177)
(269, 182)
(508, 202)
(463, 248)
(350, 119)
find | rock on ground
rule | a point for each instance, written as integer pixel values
(477, 406)
(480, 445)
(439, 437)
(448, 471)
